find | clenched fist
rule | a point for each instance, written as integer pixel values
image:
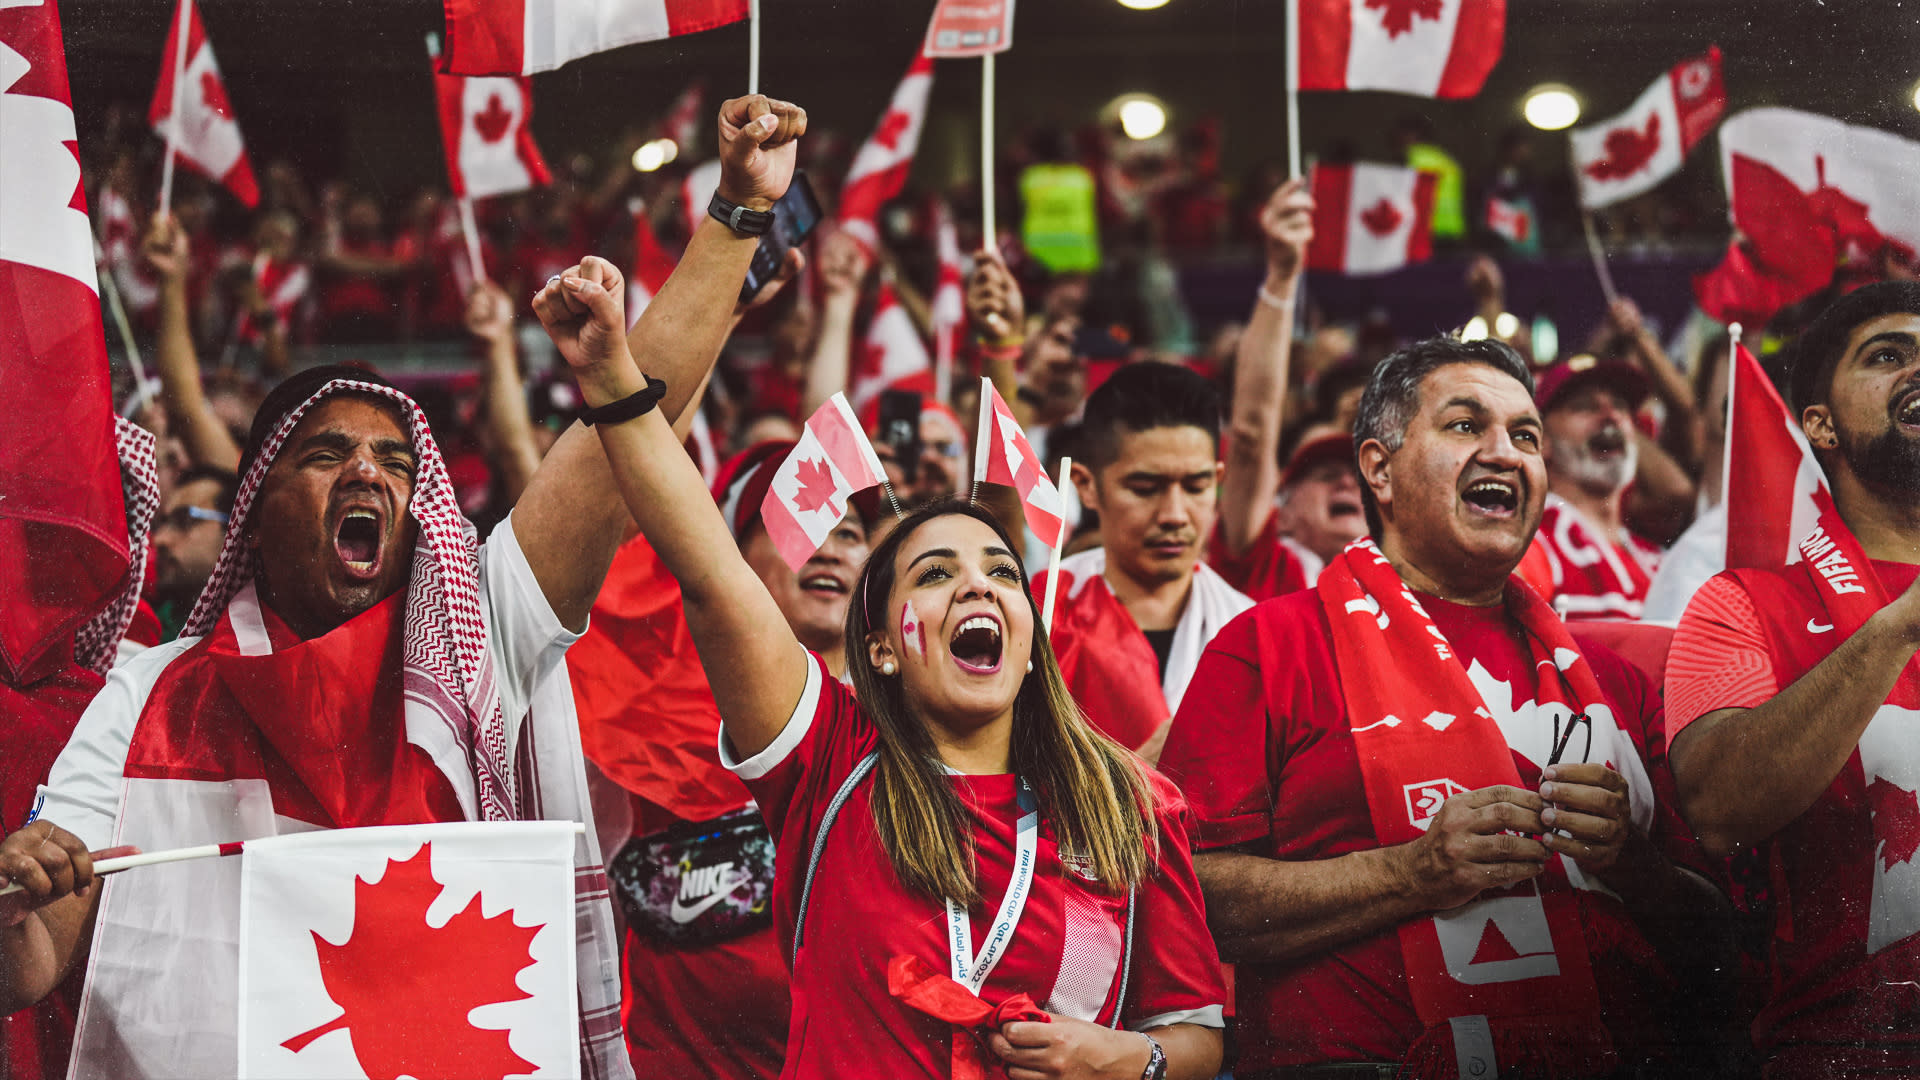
(758, 140)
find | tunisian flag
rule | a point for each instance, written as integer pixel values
(63, 518)
(1432, 48)
(520, 37)
(1774, 488)
(808, 496)
(409, 950)
(880, 169)
(208, 137)
(486, 126)
(1006, 457)
(1370, 219)
(1623, 156)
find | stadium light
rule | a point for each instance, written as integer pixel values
(1141, 116)
(1551, 107)
(1143, 5)
(1916, 96)
(652, 155)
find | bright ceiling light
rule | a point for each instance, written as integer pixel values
(654, 154)
(1916, 97)
(1551, 108)
(1143, 5)
(1142, 117)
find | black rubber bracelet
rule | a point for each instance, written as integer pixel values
(638, 403)
(741, 220)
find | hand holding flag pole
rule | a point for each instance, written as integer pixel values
(1053, 557)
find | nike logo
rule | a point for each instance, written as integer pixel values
(682, 912)
(1814, 627)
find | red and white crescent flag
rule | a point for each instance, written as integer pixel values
(63, 520)
(893, 356)
(520, 37)
(1622, 156)
(808, 495)
(651, 266)
(1774, 486)
(880, 169)
(1432, 48)
(208, 136)
(410, 950)
(486, 127)
(1006, 457)
(1370, 219)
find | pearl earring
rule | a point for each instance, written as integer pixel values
(888, 668)
(1029, 667)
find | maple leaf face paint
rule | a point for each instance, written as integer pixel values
(913, 632)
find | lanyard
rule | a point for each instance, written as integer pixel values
(971, 969)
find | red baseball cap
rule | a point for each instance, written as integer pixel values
(1332, 446)
(1578, 372)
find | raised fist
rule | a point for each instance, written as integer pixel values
(165, 249)
(1287, 221)
(758, 140)
(584, 311)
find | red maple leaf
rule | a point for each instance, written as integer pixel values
(407, 987)
(214, 93)
(892, 126)
(1896, 820)
(493, 121)
(1397, 16)
(1382, 218)
(817, 488)
(1628, 151)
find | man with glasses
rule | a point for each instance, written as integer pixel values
(186, 541)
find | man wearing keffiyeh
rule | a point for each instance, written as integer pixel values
(355, 660)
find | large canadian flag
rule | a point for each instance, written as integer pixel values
(520, 37)
(63, 521)
(207, 135)
(1625, 155)
(880, 169)
(1773, 484)
(1370, 219)
(409, 950)
(486, 126)
(1004, 456)
(808, 495)
(893, 357)
(1433, 48)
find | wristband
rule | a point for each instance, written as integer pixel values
(1007, 350)
(1267, 297)
(741, 220)
(1156, 1060)
(639, 403)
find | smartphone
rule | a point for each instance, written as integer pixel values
(794, 219)
(900, 429)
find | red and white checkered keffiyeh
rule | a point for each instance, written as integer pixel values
(98, 642)
(451, 695)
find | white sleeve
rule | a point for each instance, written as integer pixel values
(83, 789)
(527, 640)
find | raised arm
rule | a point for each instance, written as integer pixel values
(996, 311)
(207, 440)
(843, 268)
(489, 319)
(1260, 371)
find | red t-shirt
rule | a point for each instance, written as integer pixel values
(1268, 568)
(1844, 998)
(1267, 760)
(1065, 951)
(1593, 578)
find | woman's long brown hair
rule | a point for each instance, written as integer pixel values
(1090, 789)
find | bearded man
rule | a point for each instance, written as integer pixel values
(355, 660)
(1430, 819)
(1792, 700)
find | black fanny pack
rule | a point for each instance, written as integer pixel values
(699, 882)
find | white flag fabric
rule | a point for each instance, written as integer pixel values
(880, 169)
(409, 950)
(808, 495)
(1006, 457)
(1432, 48)
(1624, 155)
(207, 136)
(486, 125)
(893, 356)
(520, 37)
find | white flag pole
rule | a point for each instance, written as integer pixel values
(471, 232)
(753, 46)
(1053, 559)
(1293, 89)
(111, 290)
(1599, 256)
(989, 235)
(981, 438)
(185, 28)
(1726, 439)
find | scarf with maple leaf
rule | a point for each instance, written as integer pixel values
(1508, 975)
(499, 768)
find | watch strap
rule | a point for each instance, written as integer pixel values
(1156, 1060)
(738, 218)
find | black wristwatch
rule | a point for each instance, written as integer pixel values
(637, 404)
(1156, 1060)
(738, 218)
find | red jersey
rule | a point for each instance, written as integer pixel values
(1273, 565)
(1267, 759)
(1845, 987)
(1593, 578)
(1066, 948)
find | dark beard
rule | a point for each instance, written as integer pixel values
(1889, 464)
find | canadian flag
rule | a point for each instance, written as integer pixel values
(808, 495)
(1773, 483)
(1623, 156)
(520, 37)
(207, 136)
(1807, 193)
(880, 169)
(1006, 457)
(486, 127)
(651, 265)
(1433, 48)
(1512, 221)
(949, 299)
(410, 950)
(893, 357)
(63, 521)
(1370, 219)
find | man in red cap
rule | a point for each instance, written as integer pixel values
(1601, 570)
(1316, 512)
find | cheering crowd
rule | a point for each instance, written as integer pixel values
(1150, 761)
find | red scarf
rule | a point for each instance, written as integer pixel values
(916, 983)
(322, 721)
(1507, 975)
